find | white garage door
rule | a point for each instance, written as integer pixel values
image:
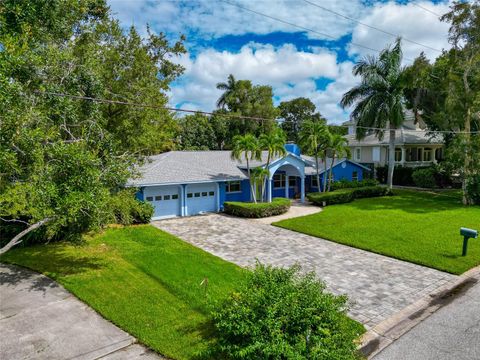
(201, 198)
(165, 199)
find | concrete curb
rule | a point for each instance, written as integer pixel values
(389, 330)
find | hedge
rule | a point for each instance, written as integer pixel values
(346, 184)
(251, 210)
(425, 177)
(347, 195)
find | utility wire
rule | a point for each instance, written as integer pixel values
(128, 103)
(426, 9)
(370, 26)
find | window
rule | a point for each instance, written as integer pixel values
(314, 181)
(205, 193)
(233, 186)
(439, 154)
(278, 181)
(354, 175)
(427, 154)
(398, 154)
(358, 154)
(197, 194)
(149, 198)
(166, 197)
(376, 154)
(158, 198)
(419, 154)
(189, 195)
(211, 193)
(292, 181)
(174, 196)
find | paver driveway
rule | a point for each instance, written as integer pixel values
(378, 286)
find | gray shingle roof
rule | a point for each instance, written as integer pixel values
(180, 167)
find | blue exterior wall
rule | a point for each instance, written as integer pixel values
(339, 173)
(293, 148)
(244, 195)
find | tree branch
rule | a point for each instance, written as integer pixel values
(14, 220)
(18, 238)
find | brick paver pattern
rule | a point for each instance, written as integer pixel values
(377, 286)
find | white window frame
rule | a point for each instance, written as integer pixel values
(229, 185)
(282, 181)
(358, 154)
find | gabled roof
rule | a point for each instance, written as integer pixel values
(310, 170)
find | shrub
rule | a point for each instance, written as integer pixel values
(347, 195)
(331, 198)
(473, 188)
(346, 184)
(401, 175)
(425, 177)
(127, 210)
(281, 314)
(251, 210)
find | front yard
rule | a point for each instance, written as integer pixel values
(420, 227)
(144, 280)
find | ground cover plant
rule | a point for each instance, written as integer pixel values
(144, 280)
(280, 313)
(420, 227)
(257, 210)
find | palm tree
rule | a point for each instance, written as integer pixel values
(228, 89)
(325, 147)
(312, 141)
(274, 143)
(338, 147)
(247, 146)
(379, 97)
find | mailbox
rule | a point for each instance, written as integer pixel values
(467, 234)
(470, 233)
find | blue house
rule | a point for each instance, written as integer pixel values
(184, 183)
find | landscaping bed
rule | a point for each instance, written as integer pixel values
(346, 195)
(417, 226)
(278, 206)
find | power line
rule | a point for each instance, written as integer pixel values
(128, 103)
(295, 25)
(370, 26)
(426, 9)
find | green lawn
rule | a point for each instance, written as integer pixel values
(142, 279)
(421, 227)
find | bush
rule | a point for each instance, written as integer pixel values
(251, 210)
(425, 177)
(281, 314)
(127, 210)
(346, 184)
(473, 188)
(347, 195)
(401, 175)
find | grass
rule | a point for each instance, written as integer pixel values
(420, 227)
(144, 280)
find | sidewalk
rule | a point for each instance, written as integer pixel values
(39, 319)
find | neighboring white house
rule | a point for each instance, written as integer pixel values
(414, 146)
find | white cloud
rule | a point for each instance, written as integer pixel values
(209, 19)
(407, 20)
(290, 72)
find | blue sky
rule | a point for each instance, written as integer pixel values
(223, 38)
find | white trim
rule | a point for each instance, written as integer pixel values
(185, 182)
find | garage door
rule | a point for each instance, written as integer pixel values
(201, 198)
(165, 200)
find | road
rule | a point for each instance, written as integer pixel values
(453, 332)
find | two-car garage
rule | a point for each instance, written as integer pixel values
(182, 200)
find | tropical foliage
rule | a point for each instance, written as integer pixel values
(378, 99)
(62, 158)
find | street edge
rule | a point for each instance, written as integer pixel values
(390, 329)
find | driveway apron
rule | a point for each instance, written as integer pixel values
(377, 286)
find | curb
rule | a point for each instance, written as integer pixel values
(389, 330)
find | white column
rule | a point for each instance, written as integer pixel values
(286, 186)
(404, 157)
(269, 190)
(302, 189)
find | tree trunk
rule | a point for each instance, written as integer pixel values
(252, 187)
(266, 177)
(319, 186)
(466, 163)
(391, 156)
(18, 238)
(325, 172)
(331, 171)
